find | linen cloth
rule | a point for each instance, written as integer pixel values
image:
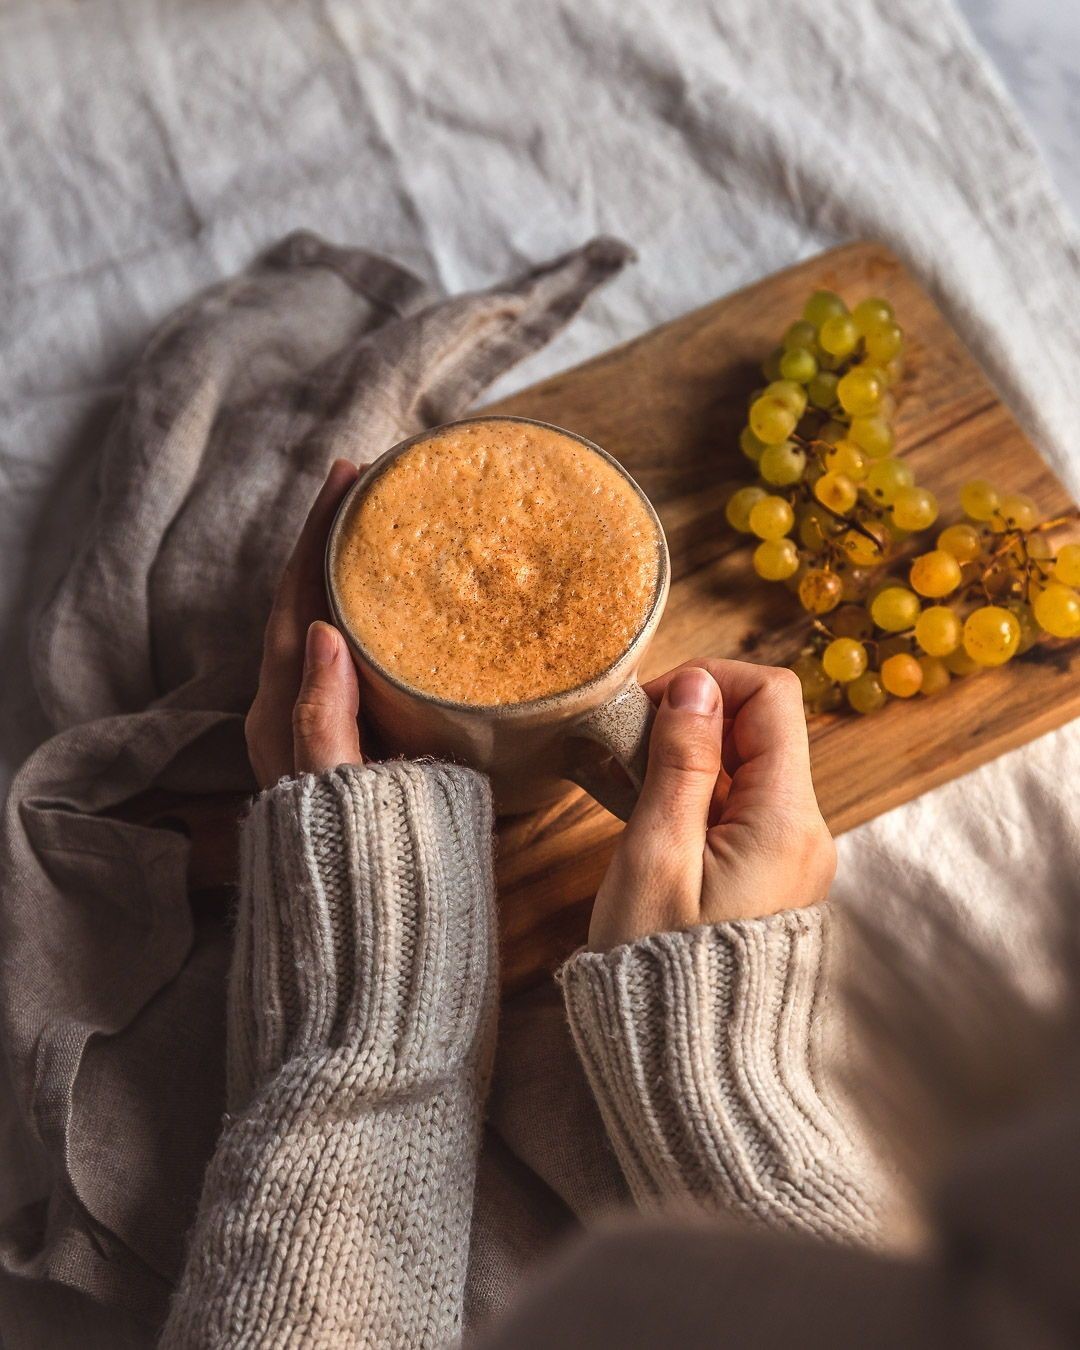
(150, 149)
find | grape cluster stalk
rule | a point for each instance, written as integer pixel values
(833, 502)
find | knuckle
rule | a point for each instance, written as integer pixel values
(692, 754)
(784, 684)
(311, 719)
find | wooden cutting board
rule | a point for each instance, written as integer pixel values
(669, 406)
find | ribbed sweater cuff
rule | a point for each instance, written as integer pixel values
(703, 1051)
(365, 923)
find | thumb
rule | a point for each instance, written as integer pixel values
(684, 761)
(325, 732)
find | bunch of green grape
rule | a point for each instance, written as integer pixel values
(833, 503)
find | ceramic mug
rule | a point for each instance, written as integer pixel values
(595, 735)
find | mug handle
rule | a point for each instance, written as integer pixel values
(621, 727)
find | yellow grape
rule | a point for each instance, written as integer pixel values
(871, 313)
(979, 499)
(750, 445)
(800, 334)
(838, 335)
(934, 574)
(959, 663)
(740, 505)
(776, 559)
(887, 478)
(813, 527)
(867, 693)
(1067, 565)
(937, 630)
(962, 541)
(836, 491)
(771, 420)
(991, 635)
(812, 677)
(1030, 631)
(783, 464)
(935, 675)
(1018, 511)
(771, 517)
(901, 675)
(892, 370)
(863, 551)
(895, 608)
(860, 391)
(788, 392)
(872, 435)
(852, 621)
(844, 659)
(845, 457)
(854, 583)
(819, 590)
(914, 508)
(821, 390)
(884, 342)
(832, 432)
(1057, 610)
(798, 365)
(823, 305)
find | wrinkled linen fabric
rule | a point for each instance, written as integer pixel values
(148, 150)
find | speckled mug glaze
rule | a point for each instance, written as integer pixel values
(595, 735)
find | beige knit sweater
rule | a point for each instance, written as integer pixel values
(336, 1209)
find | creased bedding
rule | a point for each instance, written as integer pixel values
(148, 150)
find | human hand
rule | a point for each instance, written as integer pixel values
(727, 825)
(304, 715)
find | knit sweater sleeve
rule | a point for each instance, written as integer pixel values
(336, 1208)
(706, 1053)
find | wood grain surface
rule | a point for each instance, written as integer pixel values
(669, 406)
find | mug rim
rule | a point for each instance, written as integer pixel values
(522, 707)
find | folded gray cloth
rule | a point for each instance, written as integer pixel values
(112, 1000)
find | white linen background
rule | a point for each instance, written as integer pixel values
(149, 147)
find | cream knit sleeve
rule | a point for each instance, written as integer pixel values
(705, 1052)
(336, 1208)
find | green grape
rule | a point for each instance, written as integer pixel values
(871, 313)
(962, 541)
(822, 389)
(934, 574)
(815, 683)
(750, 445)
(783, 464)
(1018, 511)
(959, 663)
(1029, 627)
(798, 365)
(895, 608)
(832, 700)
(854, 583)
(845, 457)
(914, 508)
(819, 590)
(860, 391)
(800, 334)
(979, 499)
(836, 491)
(813, 527)
(886, 478)
(776, 559)
(770, 367)
(789, 392)
(823, 305)
(867, 693)
(740, 504)
(863, 551)
(844, 659)
(1057, 610)
(1037, 546)
(935, 675)
(1067, 565)
(852, 621)
(872, 435)
(772, 420)
(901, 675)
(883, 342)
(937, 630)
(771, 517)
(991, 635)
(838, 335)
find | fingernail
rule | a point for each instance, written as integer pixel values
(694, 690)
(322, 644)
